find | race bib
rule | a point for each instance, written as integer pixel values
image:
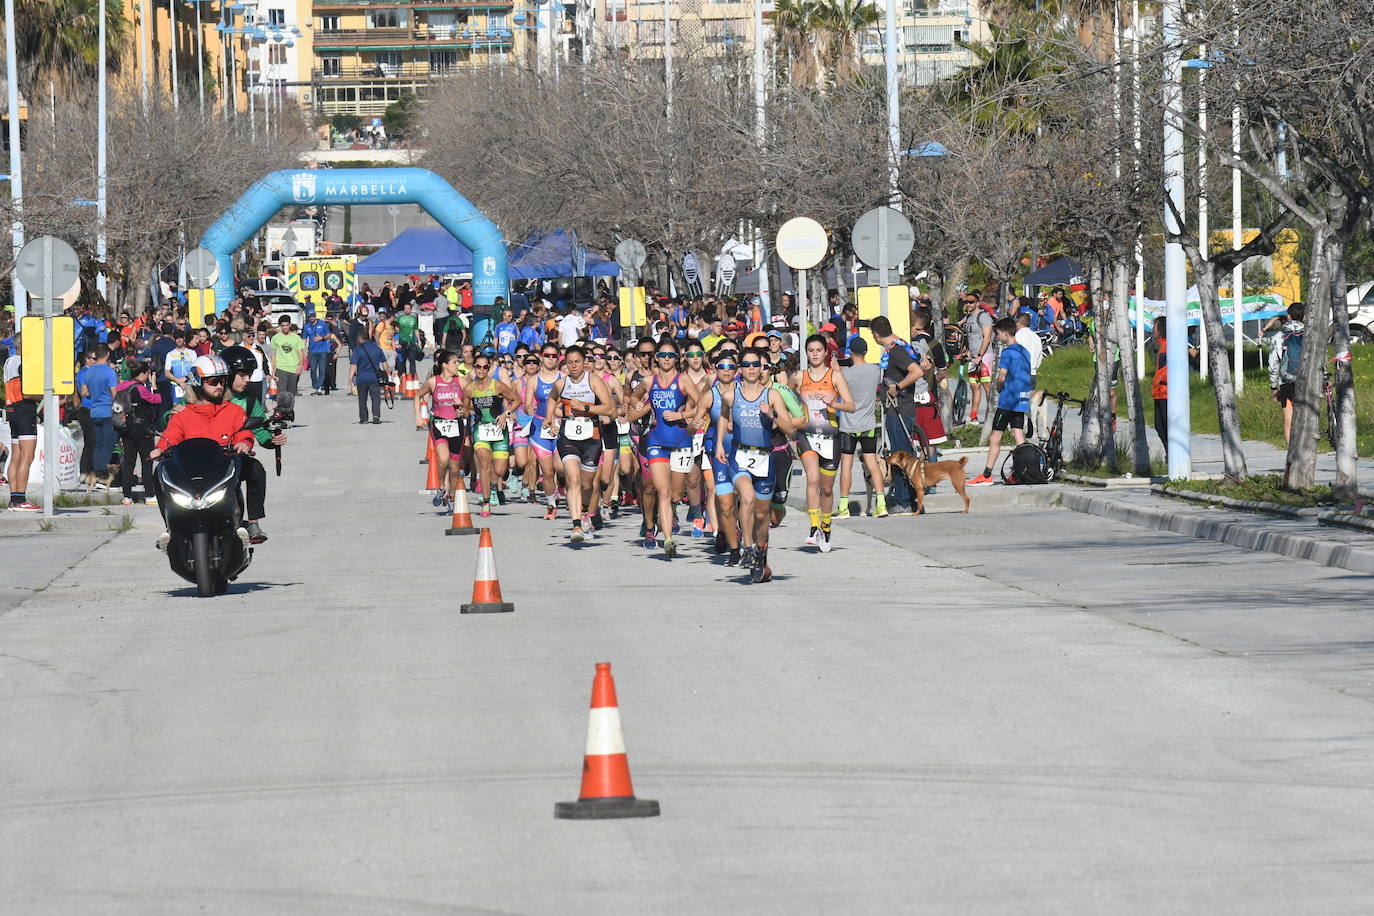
(698, 440)
(622, 427)
(923, 398)
(490, 432)
(682, 460)
(578, 429)
(524, 428)
(824, 445)
(449, 429)
(753, 460)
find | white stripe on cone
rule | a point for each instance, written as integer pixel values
(603, 732)
(486, 572)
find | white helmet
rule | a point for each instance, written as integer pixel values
(208, 366)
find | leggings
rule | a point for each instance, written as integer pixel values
(136, 448)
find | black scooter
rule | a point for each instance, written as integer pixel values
(198, 488)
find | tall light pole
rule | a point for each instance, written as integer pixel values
(145, 49)
(100, 171)
(21, 305)
(760, 132)
(1202, 228)
(1237, 272)
(200, 60)
(1139, 237)
(1175, 265)
(668, 58)
(894, 124)
(174, 46)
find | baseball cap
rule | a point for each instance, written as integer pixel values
(775, 333)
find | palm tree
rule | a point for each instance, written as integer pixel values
(846, 22)
(796, 22)
(57, 42)
(998, 89)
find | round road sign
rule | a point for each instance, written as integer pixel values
(802, 243)
(202, 268)
(48, 276)
(630, 254)
(288, 244)
(901, 238)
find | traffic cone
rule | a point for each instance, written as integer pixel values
(486, 588)
(429, 450)
(432, 478)
(606, 789)
(462, 524)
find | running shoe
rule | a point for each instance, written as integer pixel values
(881, 511)
(27, 506)
(551, 514)
(699, 528)
(676, 527)
(973, 417)
(719, 543)
(670, 548)
(126, 501)
(982, 480)
(615, 508)
(811, 538)
(532, 498)
(576, 536)
(597, 521)
(766, 575)
(486, 508)
(734, 558)
(823, 541)
(747, 555)
(438, 498)
(650, 540)
(757, 569)
(500, 496)
(150, 500)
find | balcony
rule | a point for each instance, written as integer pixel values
(419, 5)
(394, 39)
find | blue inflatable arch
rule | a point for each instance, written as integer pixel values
(323, 187)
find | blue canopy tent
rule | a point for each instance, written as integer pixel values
(1063, 272)
(420, 251)
(435, 251)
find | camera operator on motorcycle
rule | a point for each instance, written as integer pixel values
(212, 416)
(241, 363)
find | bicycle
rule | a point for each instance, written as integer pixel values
(960, 396)
(1051, 445)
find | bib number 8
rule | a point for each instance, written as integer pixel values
(578, 429)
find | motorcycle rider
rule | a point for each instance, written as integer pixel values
(212, 417)
(241, 363)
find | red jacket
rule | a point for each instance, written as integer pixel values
(220, 422)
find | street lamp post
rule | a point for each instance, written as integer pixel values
(100, 162)
(174, 46)
(1175, 265)
(16, 161)
(760, 125)
(894, 124)
(200, 59)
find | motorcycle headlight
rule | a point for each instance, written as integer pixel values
(184, 500)
(214, 496)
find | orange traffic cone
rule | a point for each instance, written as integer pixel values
(606, 788)
(486, 588)
(432, 478)
(462, 524)
(429, 450)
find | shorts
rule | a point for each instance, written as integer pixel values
(610, 439)
(782, 477)
(928, 418)
(981, 370)
(806, 443)
(495, 446)
(519, 435)
(23, 420)
(455, 443)
(586, 451)
(853, 443)
(726, 474)
(1285, 394)
(1004, 418)
(543, 446)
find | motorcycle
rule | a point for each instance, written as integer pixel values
(198, 481)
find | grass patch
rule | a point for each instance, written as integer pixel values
(965, 436)
(1263, 488)
(82, 500)
(125, 523)
(45, 525)
(1071, 370)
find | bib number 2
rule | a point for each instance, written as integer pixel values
(753, 460)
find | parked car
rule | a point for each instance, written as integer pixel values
(1359, 303)
(280, 304)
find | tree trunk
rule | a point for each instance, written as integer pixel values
(1301, 465)
(1121, 328)
(1346, 486)
(958, 274)
(1219, 361)
(937, 328)
(1095, 444)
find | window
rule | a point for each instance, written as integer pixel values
(929, 39)
(442, 62)
(276, 54)
(389, 63)
(650, 32)
(276, 18)
(725, 31)
(329, 23)
(388, 19)
(331, 65)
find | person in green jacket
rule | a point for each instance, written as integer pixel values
(253, 473)
(407, 339)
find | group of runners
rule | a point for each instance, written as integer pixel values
(662, 422)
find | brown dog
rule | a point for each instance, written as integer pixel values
(924, 474)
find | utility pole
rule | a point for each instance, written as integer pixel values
(21, 306)
(1175, 265)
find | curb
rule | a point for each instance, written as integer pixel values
(1346, 520)
(1230, 502)
(1227, 531)
(1104, 483)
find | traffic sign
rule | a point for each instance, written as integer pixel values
(288, 244)
(630, 254)
(48, 267)
(202, 267)
(883, 238)
(802, 243)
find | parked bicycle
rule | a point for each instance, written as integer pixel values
(1051, 445)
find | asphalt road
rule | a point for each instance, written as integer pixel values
(950, 714)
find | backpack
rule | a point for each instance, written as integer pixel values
(1028, 465)
(122, 410)
(1292, 356)
(954, 337)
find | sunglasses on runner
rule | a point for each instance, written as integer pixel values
(481, 366)
(598, 356)
(615, 357)
(532, 361)
(549, 355)
(730, 366)
(666, 354)
(691, 353)
(751, 364)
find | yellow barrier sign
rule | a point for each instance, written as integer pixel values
(898, 313)
(201, 304)
(32, 351)
(632, 310)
